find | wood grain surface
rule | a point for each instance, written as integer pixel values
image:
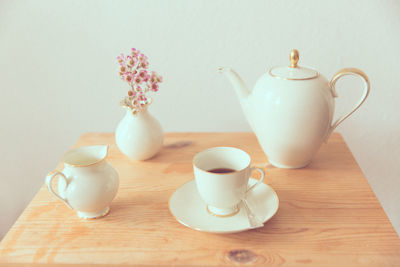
(328, 215)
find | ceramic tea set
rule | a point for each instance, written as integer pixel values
(291, 112)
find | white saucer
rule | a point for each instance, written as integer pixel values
(190, 210)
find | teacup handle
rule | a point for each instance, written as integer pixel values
(50, 178)
(259, 181)
(336, 77)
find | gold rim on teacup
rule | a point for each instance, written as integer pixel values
(225, 215)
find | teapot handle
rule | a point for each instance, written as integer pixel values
(49, 178)
(337, 76)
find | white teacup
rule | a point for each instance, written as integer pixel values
(223, 191)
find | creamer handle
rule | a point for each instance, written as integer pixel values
(49, 178)
(336, 77)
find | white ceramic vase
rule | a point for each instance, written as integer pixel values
(139, 136)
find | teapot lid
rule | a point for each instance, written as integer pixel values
(293, 72)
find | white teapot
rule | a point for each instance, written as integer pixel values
(291, 110)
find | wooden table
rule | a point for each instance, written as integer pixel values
(328, 215)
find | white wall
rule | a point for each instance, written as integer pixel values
(58, 75)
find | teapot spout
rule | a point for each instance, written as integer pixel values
(241, 90)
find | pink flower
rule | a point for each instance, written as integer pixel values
(142, 57)
(128, 78)
(144, 64)
(132, 61)
(120, 60)
(154, 87)
(142, 74)
(146, 78)
(131, 94)
(142, 98)
(155, 77)
(138, 80)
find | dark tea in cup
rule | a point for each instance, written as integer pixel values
(221, 170)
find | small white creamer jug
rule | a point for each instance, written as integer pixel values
(89, 183)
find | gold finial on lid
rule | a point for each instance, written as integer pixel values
(294, 58)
